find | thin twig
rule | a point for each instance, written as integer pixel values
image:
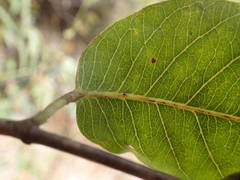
(29, 132)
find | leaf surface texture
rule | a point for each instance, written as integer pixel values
(185, 53)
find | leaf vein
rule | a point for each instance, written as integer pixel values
(152, 100)
(207, 147)
(213, 77)
(169, 142)
(108, 125)
(134, 128)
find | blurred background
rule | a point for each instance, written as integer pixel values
(41, 42)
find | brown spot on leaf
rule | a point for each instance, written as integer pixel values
(152, 101)
(226, 116)
(153, 60)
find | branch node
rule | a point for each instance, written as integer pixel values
(23, 130)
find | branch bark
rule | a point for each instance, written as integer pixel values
(29, 132)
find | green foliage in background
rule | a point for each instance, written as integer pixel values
(183, 51)
(25, 73)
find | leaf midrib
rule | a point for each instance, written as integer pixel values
(153, 100)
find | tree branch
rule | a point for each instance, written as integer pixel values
(29, 132)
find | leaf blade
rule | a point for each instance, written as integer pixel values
(190, 51)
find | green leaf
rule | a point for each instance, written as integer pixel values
(164, 83)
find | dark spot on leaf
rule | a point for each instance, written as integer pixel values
(152, 101)
(200, 111)
(124, 94)
(153, 60)
(226, 116)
